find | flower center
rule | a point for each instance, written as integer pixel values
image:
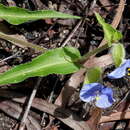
(97, 93)
(97, 97)
(128, 71)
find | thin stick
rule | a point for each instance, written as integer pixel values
(22, 124)
(49, 101)
(10, 57)
(72, 33)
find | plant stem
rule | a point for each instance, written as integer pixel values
(95, 51)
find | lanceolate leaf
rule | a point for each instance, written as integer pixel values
(118, 53)
(16, 15)
(93, 75)
(56, 61)
(110, 34)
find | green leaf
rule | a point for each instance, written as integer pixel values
(118, 53)
(16, 15)
(93, 75)
(56, 61)
(110, 34)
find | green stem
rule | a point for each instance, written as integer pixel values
(21, 43)
(95, 51)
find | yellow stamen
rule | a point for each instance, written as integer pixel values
(128, 73)
(97, 97)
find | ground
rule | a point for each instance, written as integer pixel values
(56, 105)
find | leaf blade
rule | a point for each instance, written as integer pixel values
(56, 61)
(16, 15)
(110, 33)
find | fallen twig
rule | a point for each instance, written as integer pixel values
(10, 57)
(72, 33)
(22, 124)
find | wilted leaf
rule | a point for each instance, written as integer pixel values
(93, 75)
(110, 33)
(16, 15)
(56, 61)
(118, 53)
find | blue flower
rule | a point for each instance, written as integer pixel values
(96, 91)
(120, 71)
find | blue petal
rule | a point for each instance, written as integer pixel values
(89, 91)
(120, 71)
(104, 101)
(107, 91)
